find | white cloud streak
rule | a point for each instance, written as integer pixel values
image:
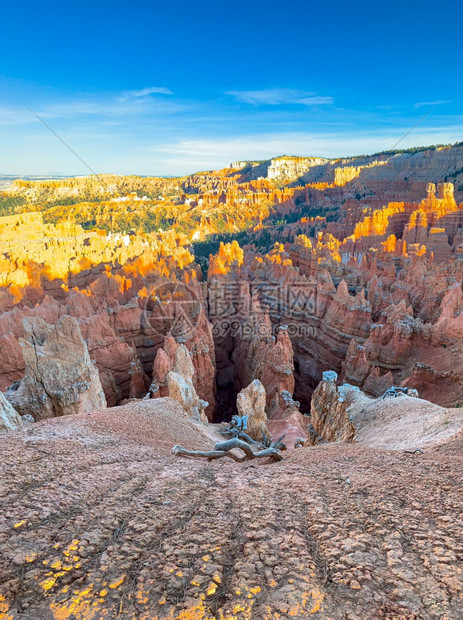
(145, 92)
(421, 104)
(100, 108)
(279, 96)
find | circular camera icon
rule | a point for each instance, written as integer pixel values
(172, 307)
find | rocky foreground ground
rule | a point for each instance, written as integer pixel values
(100, 520)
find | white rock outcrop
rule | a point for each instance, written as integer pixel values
(9, 417)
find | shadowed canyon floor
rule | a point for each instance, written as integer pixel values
(100, 520)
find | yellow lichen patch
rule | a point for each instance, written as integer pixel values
(179, 573)
(30, 557)
(20, 523)
(216, 577)
(47, 584)
(71, 547)
(56, 565)
(212, 588)
(142, 596)
(206, 558)
(79, 607)
(198, 612)
(117, 582)
(310, 604)
(272, 583)
(4, 607)
(239, 607)
(103, 592)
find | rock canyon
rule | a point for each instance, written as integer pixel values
(320, 300)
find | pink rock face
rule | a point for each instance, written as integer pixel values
(173, 376)
(443, 386)
(266, 358)
(202, 348)
(162, 365)
(110, 354)
(139, 381)
(292, 426)
(11, 361)
(377, 384)
(170, 346)
(277, 373)
(191, 361)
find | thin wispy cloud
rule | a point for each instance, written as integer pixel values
(315, 101)
(145, 92)
(104, 108)
(421, 104)
(279, 96)
(15, 115)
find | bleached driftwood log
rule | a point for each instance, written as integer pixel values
(240, 440)
(224, 448)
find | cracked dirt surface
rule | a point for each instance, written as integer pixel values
(99, 520)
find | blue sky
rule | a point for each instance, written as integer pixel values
(175, 87)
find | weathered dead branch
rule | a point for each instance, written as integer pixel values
(224, 449)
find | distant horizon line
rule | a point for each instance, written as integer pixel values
(55, 175)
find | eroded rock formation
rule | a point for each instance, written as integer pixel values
(60, 378)
(353, 255)
(173, 372)
(329, 410)
(250, 402)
